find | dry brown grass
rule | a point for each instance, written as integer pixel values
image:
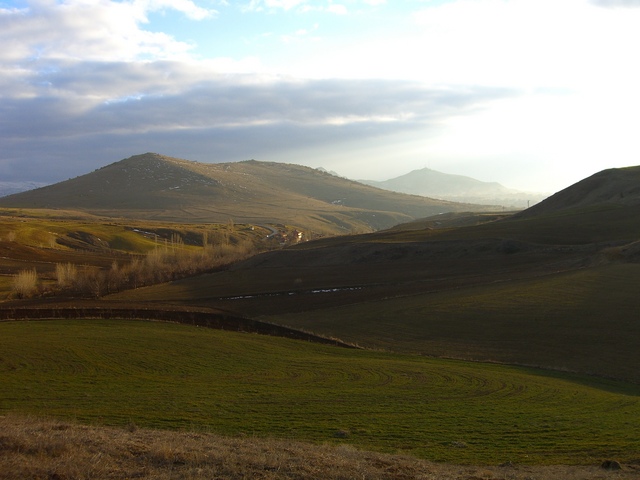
(25, 283)
(53, 450)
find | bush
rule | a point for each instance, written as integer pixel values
(25, 283)
(66, 274)
(162, 264)
(91, 282)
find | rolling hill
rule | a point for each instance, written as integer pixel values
(554, 289)
(157, 187)
(615, 187)
(170, 376)
(457, 188)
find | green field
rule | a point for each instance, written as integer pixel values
(179, 377)
(584, 320)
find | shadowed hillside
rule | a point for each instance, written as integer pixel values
(556, 291)
(612, 187)
(156, 187)
(551, 290)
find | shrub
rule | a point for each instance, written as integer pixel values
(66, 274)
(164, 263)
(92, 282)
(25, 283)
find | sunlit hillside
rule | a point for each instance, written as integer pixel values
(153, 186)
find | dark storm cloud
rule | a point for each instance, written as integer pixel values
(88, 114)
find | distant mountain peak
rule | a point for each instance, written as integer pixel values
(458, 188)
(9, 188)
(146, 157)
(159, 187)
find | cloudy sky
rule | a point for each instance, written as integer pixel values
(535, 94)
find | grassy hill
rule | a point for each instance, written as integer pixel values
(112, 371)
(153, 186)
(612, 187)
(443, 303)
(556, 289)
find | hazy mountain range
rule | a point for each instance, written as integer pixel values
(457, 188)
(424, 182)
(158, 187)
(9, 188)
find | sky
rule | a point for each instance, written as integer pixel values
(534, 94)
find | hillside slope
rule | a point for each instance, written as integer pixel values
(157, 187)
(519, 289)
(614, 187)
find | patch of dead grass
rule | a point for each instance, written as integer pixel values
(53, 450)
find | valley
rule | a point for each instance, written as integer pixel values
(482, 336)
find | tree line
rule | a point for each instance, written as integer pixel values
(165, 263)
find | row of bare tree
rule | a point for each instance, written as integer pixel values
(162, 264)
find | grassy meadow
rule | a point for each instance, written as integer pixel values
(178, 377)
(582, 320)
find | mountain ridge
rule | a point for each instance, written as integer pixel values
(159, 187)
(461, 188)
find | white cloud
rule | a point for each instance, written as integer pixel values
(300, 34)
(90, 30)
(262, 5)
(190, 9)
(304, 6)
(540, 81)
(86, 98)
(525, 43)
(616, 3)
(337, 9)
(188, 109)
